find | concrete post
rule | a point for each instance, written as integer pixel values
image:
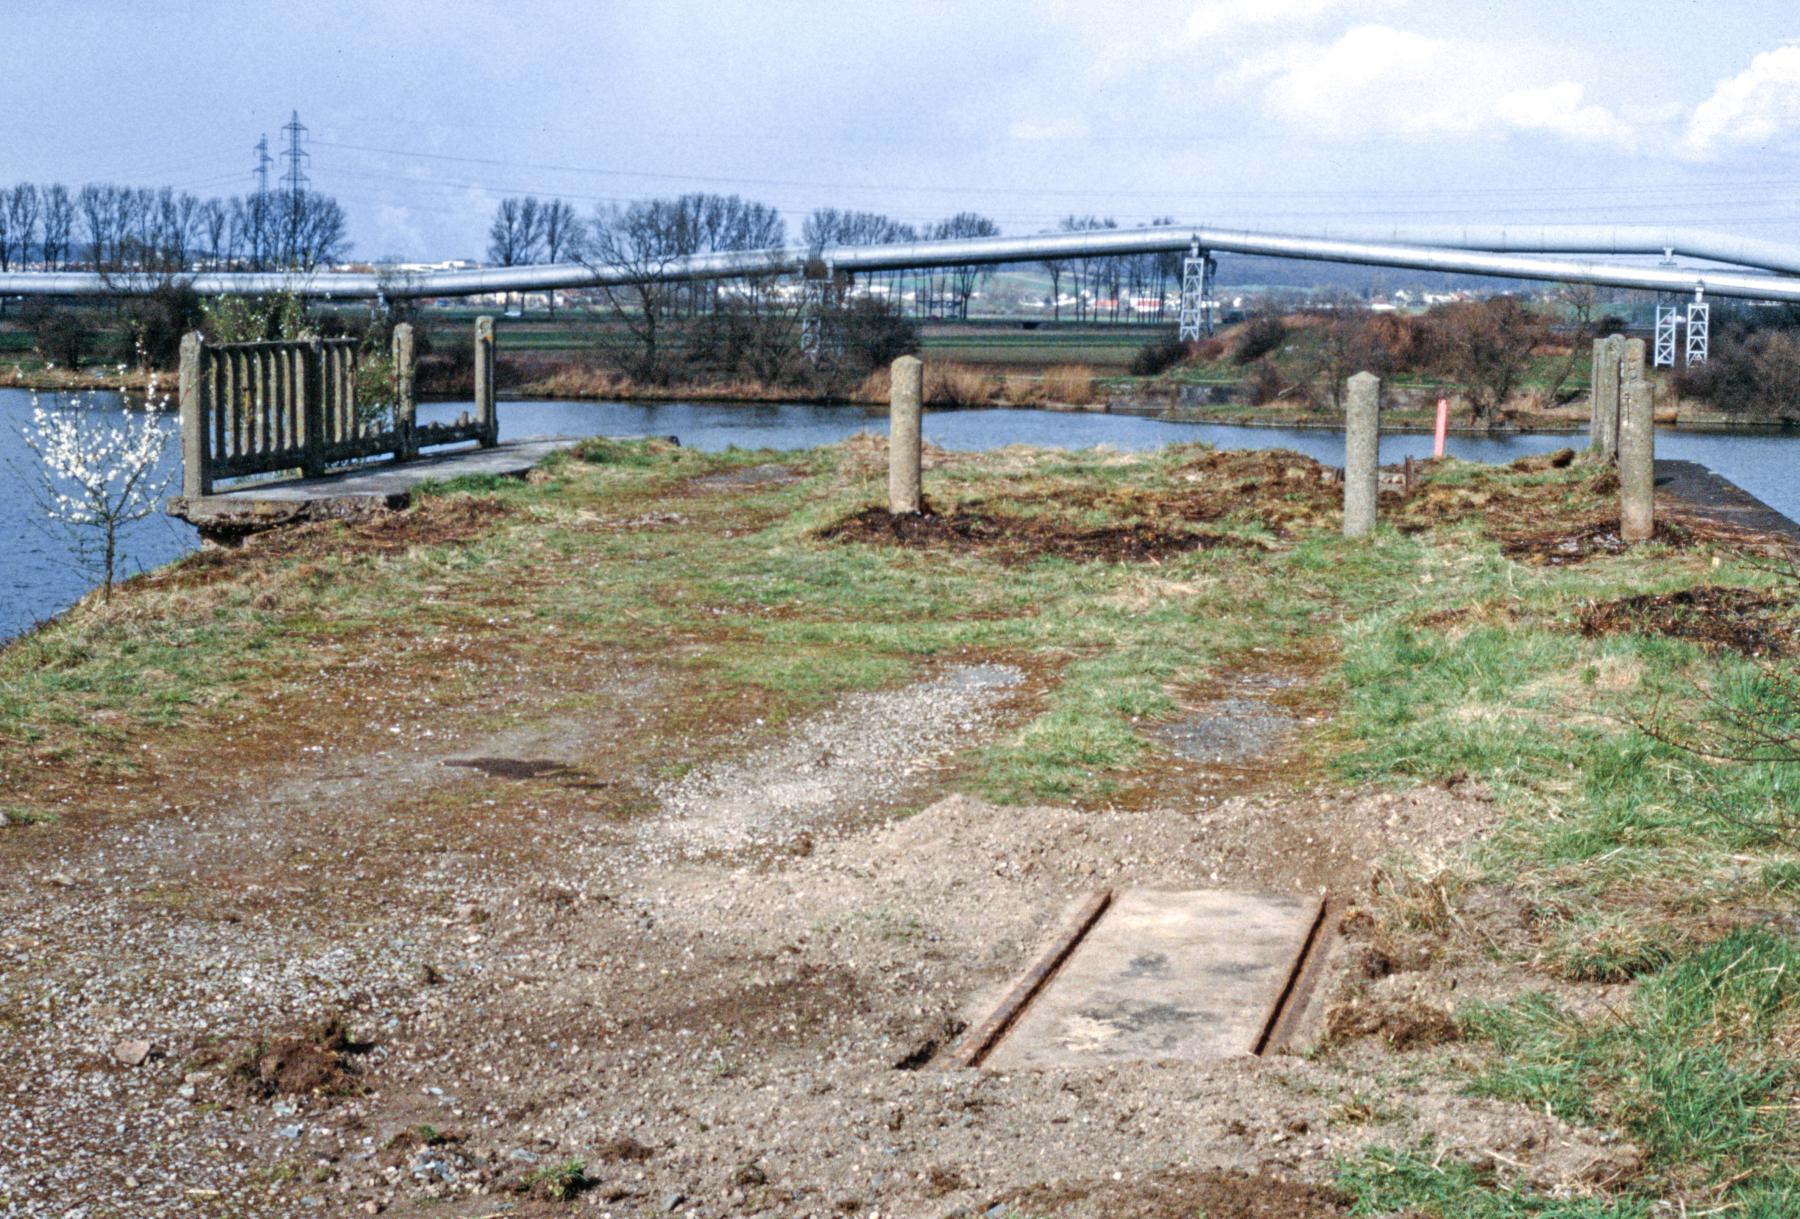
(1604, 426)
(196, 477)
(406, 405)
(1631, 361)
(1637, 461)
(313, 387)
(1362, 443)
(484, 383)
(906, 382)
(1593, 395)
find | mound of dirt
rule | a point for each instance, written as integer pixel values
(1569, 544)
(1178, 1194)
(1402, 1024)
(1537, 463)
(312, 1061)
(1015, 539)
(1738, 619)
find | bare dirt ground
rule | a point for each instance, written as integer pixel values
(421, 961)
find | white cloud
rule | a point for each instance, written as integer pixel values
(1219, 18)
(1753, 107)
(1377, 81)
(1557, 109)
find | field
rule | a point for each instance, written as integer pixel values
(634, 838)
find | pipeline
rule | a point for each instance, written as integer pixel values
(987, 251)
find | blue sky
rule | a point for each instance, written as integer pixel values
(1281, 114)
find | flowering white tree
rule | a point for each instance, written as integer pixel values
(96, 475)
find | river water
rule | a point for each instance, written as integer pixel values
(38, 578)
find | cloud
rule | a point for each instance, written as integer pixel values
(1753, 107)
(1220, 18)
(1557, 109)
(1376, 81)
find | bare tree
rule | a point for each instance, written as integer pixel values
(318, 231)
(510, 236)
(59, 220)
(962, 280)
(214, 228)
(560, 231)
(18, 224)
(1485, 347)
(641, 239)
(95, 203)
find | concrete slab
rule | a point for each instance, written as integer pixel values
(355, 492)
(1691, 488)
(1163, 975)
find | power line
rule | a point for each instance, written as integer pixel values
(1609, 191)
(296, 158)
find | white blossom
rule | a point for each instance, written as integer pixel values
(96, 474)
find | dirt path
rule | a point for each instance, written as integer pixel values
(722, 995)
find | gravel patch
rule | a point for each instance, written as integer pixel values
(867, 752)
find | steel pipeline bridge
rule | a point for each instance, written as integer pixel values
(1738, 267)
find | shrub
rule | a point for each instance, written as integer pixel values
(1158, 357)
(1069, 383)
(1263, 385)
(874, 334)
(155, 323)
(1260, 336)
(1485, 348)
(1754, 374)
(958, 385)
(58, 332)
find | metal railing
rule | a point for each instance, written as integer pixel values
(295, 405)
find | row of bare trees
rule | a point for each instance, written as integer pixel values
(108, 228)
(1115, 279)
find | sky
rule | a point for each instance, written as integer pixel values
(1285, 115)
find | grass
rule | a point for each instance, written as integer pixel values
(558, 1182)
(1444, 658)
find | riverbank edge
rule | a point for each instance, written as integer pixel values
(1395, 419)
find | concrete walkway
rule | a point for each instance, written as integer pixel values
(1697, 491)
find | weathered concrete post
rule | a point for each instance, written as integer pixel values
(314, 380)
(406, 405)
(196, 476)
(1603, 428)
(1594, 395)
(484, 383)
(1632, 360)
(906, 383)
(1362, 443)
(1637, 461)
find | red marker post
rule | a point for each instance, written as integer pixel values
(1443, 425)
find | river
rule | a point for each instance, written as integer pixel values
(37, 577)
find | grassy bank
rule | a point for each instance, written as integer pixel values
(1490, 635)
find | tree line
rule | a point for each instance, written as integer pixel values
(124, 229)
